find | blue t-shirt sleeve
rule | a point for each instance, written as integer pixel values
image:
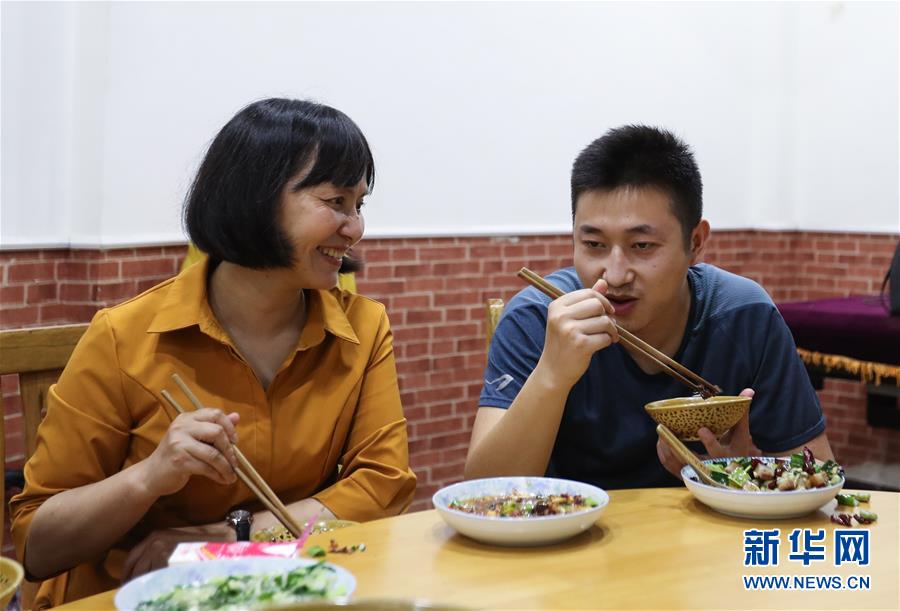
(515, 350)
(785, 411)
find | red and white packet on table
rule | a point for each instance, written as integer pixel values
(214, 550)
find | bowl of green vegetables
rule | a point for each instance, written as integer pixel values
(240, 583)
(762, 487)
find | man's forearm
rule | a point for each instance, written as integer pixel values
(521, 442)
(819, 446)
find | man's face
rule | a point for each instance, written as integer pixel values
(630, 238)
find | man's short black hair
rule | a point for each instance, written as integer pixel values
(232, 209)
(642, 156)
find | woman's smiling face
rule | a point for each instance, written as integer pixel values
(630, 238)
(321, 222)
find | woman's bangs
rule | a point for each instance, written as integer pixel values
(342, 155)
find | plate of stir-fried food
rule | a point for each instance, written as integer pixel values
(767, 487)
(520, 510)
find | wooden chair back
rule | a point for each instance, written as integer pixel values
(38, 356)
(494, 310)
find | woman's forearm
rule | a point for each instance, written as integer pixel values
(83, 523)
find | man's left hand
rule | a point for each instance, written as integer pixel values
(735, 442)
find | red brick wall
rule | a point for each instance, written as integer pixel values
(801, 265)
(434, 290)
(48, 287)
(797, 266)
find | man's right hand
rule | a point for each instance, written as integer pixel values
(578, 325)
(197, 443)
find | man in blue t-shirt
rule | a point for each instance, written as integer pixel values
(563, 397)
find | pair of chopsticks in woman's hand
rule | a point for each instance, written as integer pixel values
(247, 474)
(670, 366)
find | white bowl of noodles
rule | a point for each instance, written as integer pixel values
(472, 508)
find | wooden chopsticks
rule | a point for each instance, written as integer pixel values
(245, 471)
(687, 456)
(670, 366)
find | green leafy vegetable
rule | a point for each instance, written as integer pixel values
(316, 551)
(847, 500)
(738, 478)
(234, 592)
(717, 472)
(868, 516)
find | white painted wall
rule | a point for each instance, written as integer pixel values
(475, 111)
(35, 94)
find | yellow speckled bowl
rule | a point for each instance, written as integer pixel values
(11, 575)
(685, 415)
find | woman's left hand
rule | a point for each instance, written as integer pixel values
(153, 552)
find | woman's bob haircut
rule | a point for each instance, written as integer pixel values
(231, 211)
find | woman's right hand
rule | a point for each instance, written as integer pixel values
(578, 325)
(197, 443)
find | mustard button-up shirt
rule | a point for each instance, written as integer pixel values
(334, 401)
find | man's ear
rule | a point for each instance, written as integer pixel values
(699, 236)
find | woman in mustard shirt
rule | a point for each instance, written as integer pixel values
(300, 373)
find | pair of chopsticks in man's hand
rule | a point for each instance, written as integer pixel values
(247, 474)
(670, 366)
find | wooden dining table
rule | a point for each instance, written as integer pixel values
(650, 548)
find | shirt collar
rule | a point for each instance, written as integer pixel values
(187, 304)
(325, 312)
